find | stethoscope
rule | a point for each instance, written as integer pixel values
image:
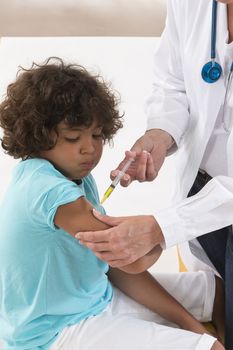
(212, 70)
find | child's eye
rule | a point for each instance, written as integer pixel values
(72, 140)
(98, 135)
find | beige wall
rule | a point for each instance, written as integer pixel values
(82, 17)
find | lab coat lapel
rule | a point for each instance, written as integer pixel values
(221, 40)
(215, 92)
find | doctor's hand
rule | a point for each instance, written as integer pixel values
(129, 238)
(149, 152)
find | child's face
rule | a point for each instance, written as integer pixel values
(77, 151)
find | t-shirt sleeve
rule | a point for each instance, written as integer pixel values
(47, 194)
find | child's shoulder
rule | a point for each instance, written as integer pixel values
(41, 182)
(35, 175)
(38, 174)
(36, 167)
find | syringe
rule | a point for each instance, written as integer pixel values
(116, 180)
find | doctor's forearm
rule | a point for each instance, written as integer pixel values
(208, 210)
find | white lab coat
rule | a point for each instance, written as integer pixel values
(187, 107)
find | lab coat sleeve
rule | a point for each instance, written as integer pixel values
(167, 107)
(208, 210)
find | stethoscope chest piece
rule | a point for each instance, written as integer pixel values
(211, 72)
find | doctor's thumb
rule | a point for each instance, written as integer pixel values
(109, 220)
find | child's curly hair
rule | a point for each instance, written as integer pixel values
(43, 96)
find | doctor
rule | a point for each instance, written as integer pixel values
(190, 111)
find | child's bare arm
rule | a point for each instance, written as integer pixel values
(147, 291)
(77, 216)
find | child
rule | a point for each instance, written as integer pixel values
(54, 292)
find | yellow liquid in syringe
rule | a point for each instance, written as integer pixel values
(107, 194)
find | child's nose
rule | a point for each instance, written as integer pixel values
(88, 146)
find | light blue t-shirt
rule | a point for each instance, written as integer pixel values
(47, 279)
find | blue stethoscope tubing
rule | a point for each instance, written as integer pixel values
(212, 70)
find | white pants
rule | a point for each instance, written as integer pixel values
(127, 325)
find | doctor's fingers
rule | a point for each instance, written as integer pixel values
(109, 243)
(113, 261)
(125, 180)
(151, 171)
(142, 166)
(129, 176)
(97, 247)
